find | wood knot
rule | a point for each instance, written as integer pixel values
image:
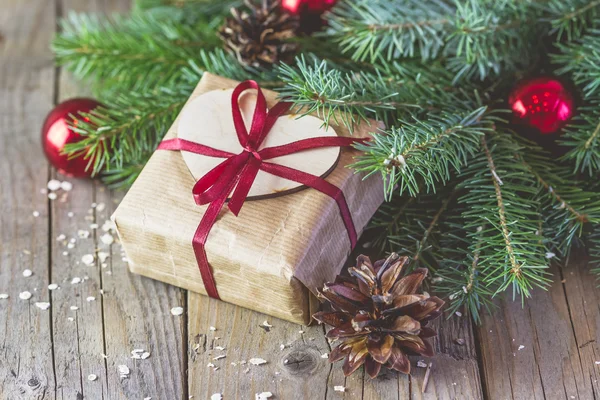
(301, 361)
(33, 382)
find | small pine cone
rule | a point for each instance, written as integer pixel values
(259, 37)
(379, 318)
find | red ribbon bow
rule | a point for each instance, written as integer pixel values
(237, 173)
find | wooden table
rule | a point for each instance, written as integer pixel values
(548, 348)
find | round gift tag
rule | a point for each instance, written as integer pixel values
(208, 120)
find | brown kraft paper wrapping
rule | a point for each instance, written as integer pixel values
(269, 258)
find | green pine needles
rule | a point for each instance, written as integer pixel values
(468, 197)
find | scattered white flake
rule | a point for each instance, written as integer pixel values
(421, 364)
(70, 319)
(108, 225)
(597, 362)
(61, 237)
(220, 348)
(25, 295)
(458, 314)
(216, 396)
(217, 358)
(212, 328)
(4, 296)
(66, 186)
(107, 239)
(177, 310)
(83, 234)
(103, 355)
(102, 256)
(301, 332)
(210, 365)
(147, 398)
(75, 281)
(65, 253)
(497, 178)
(145, 355)
(339, 388)
(123, 371)
(70, 214)
(387, 161)
(266, 324)
(93, 226)
(401, 160)
(550, 255)
(52, 196)
(324, 355)
(437, 279)
(521, 347)
(42, 305)
(281, 346)
(70, 245)
(88, 259)
(53, 184)
(74, 308)
(36, 214)
(27, 273)
(264, 395)
(100, 207)
(257, 361)
(91, 298)
(92, 377)
(563, 205)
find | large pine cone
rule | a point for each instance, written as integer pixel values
(378, 316)
(260, 37)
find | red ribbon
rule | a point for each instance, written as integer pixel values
(238, 171)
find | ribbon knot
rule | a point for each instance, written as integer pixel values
(233, 178)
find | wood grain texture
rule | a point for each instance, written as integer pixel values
(558, 339)
(26, 94)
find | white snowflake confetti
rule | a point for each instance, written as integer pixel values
(27, 273)
(74, 308)
(107, 239)
(102, 256)
(53, 184)
(100, 207)
(36, 214)
(52, 196)
(66, 186)
(145, 355)
(25, 295)
(88, 259)
(550, 255)
(324, 355)
(4, 296)
(123, 371)
(521, 347)
(264, 395)
(42, 305)
(281, 346)
(90, 298)
(257, 361)
(177, 310)
(83, 234)
(92, 377)
(421, 364)
(220, 348)
(75, 281)
(458, 314)
(70, 214)
(212, 328)
(219, 357)
(210, 365)
(266, 324)
(216, 396)
(339, 388)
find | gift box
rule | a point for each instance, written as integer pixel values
(286, 240)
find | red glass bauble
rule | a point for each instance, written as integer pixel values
(542, 103)
(56, 133)
(298, 7)
(309, 12)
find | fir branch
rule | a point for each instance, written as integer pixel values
(583, 138)
(375, 29)
(572, 18)
(502, 208)
(423, 151)
(122, 135)
(580, 59)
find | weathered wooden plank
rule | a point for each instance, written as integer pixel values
(532, 352)
(26, 94)
(295, 372)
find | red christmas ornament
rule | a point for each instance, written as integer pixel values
(299, 7)
(56, 133)
(309, 12)
(542, 103)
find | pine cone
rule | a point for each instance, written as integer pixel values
(378, 317)
(259, 37)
